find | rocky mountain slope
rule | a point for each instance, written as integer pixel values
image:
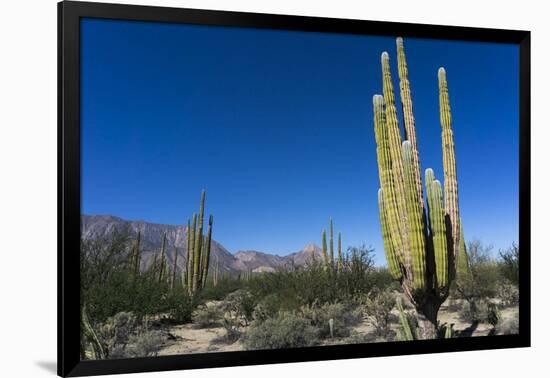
(98, 226)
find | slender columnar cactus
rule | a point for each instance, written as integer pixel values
(208, 242)
(174, 267)
(137, 255)
(340, 260)
(324, 246)
(198, 248)
(185, 272)
(191, 262)
(331, 242)
(421, 241)
(162, 258)
(198, 244)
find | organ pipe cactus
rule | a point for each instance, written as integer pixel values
(162, 261)
(324, 248)
(422, 241)
(198, 250)
(174, 268)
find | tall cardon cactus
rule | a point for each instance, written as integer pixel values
(421, 240)
(198, 250)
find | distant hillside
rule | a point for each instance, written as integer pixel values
(94, 226)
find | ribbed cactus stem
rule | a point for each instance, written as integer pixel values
(207, 250)
(389, 250)
(174, 267)
(437, 229)
(191, 271)
(161, 257)
(415, 224)
(449, 162)
(340, 261)
(324, 247)
(331, 242)
(185, 271)
(137, 254)
(462, 259)
(386, 178)
(198, 243)
(408, 116)
(394, 137)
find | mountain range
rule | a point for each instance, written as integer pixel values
(100, 226)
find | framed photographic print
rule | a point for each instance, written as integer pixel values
(239, 188)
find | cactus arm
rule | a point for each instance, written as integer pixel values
(449, 162)
(324, 244)
(340, 262)
(462, 263)
(191, 272)
(415, 224)
(331, 243)
(173, 283)
(161, 271)
(394, 137)
(391, 257)
(198, 243)
(208, 242)
(408, 116)
(386, 177)
(438, 230)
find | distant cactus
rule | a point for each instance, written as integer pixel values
(174, 268)
(421, 243)
(340, 265)
(162, 259)
(324, 248)
(198, 250)
(331, 243)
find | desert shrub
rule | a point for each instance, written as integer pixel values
(239, 305)
(145, 344)
(224, 286)
(180, 305)
(232, 328)
(508, 294)
(509, 264)
(115, 333)
(479, 282)
(343, 315)
(207, 316)
(378, 305)
(286, 330)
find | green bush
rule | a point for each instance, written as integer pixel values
(343, 315)
(508, 294)
(286, 330)
(378, 305)
(239, 305)
(207, 316)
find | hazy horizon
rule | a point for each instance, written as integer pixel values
(277, 126)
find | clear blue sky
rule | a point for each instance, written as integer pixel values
(277, 127)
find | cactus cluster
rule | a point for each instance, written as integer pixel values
(328, 257)
(197, 250)
(422, 241)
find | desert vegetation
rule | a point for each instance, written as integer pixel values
(436, 283)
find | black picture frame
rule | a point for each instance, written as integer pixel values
(69, 15)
